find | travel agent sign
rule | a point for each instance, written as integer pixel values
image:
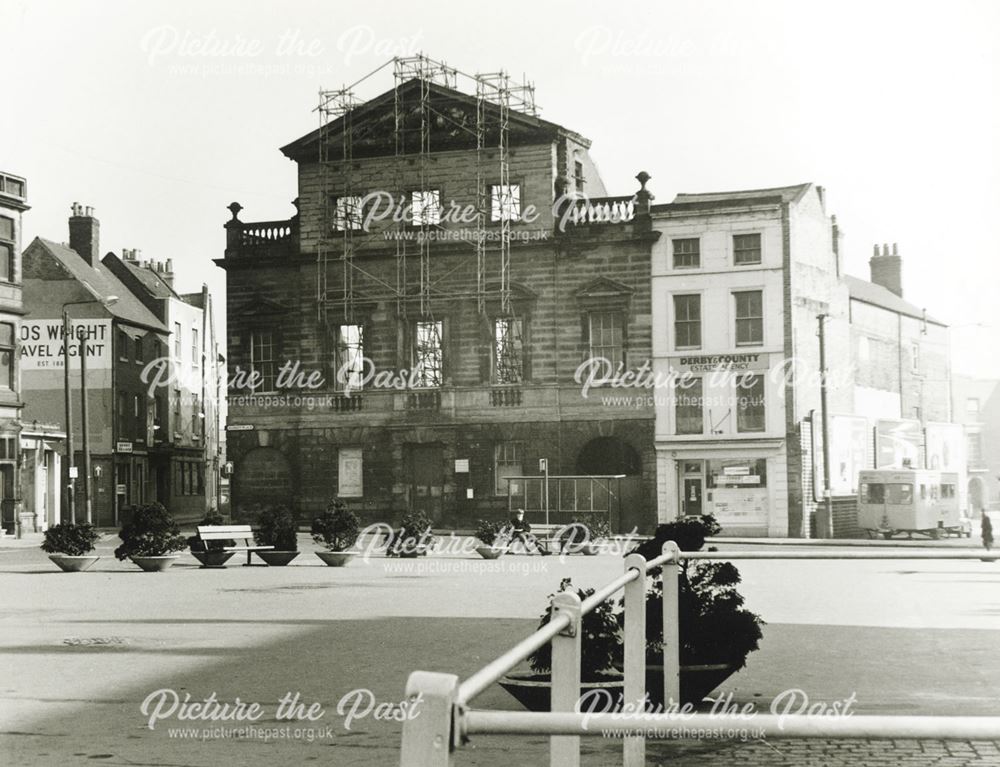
(41, 345)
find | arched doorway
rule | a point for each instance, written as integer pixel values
(611, 455)
(978, 495)
(262, 478)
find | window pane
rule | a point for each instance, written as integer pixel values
(347, 213)
(6, 334)
(507, 463)
(505, 202)
(425, 207)
(262, 359)
(6, 262)
(6, 369)
(750, 403)
(746, 249)
(427, 357)
(350, 356)
(508, 348)
(687, 321)
(689, 407)
(687, 253)
(749, 317)
(6, 228)
(607, 337)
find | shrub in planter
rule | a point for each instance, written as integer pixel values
(69, 546)
(150, 533)
(413, 537)
(495, 536)
(72, 540)
(583, 533)
(601, 644)
(276, 527)
(337, 529)
(716, 632)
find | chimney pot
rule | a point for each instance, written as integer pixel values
(895, 249)
(84, 234)
(887, 269)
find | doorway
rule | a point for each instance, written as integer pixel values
(424, 475)
(692, 488)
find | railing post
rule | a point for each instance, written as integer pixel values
(634, 749)
(428, 735)
(564, 750)
(671, 627)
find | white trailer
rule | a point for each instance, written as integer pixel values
(894, 501)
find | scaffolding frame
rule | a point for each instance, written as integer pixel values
(491, 89)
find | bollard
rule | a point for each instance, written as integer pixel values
(671, 628)
(634, 749)
(427, 737)
(564, 750)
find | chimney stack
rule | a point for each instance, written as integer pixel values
(168, 272)
(887, 269)
(85, 233)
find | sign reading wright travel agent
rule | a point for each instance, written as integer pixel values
(41, 345)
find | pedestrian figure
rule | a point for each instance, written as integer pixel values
(987, 532)
(521, 531)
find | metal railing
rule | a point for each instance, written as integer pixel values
(446, 722)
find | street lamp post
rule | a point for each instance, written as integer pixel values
(67, 336)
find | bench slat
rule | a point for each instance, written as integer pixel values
(231, 530)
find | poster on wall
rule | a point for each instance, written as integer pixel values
(849, 436)
(897, 444)
(945, 445)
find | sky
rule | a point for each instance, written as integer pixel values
(158, 114)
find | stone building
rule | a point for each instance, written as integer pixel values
(447, 286)
(13, 513)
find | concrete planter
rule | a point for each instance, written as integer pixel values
(155, 564)
(210, 559)
(74, 564)
(336, 558)
(277, 558)
(491, 552)
(534, 691)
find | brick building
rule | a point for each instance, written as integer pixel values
(976, 405)
(739, 280)
(141, 451)
(447, 344)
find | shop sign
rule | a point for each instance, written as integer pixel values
(123, 447)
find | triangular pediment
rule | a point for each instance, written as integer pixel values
(450, 121)
(261, 306)
(604, 287)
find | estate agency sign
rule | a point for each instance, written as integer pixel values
(41, 345)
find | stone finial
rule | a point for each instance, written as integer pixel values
(235, 208)
(643, 197)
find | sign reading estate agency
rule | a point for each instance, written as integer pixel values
(709, 363)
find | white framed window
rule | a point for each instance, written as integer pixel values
(749, 317)
(195, 350)
(687, 253)
(750, 411)
(607, 337)
(687, 321)
(689, 406)
(746, 249)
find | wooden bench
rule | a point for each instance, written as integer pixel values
(544, 537)
(228, 532)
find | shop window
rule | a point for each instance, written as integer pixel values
(749, 317)
(428, 355)
(507, 462)
(687, 322)
(508, 351)
(690, 406)
(687, 253)
(750, 403)
(737, 473)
